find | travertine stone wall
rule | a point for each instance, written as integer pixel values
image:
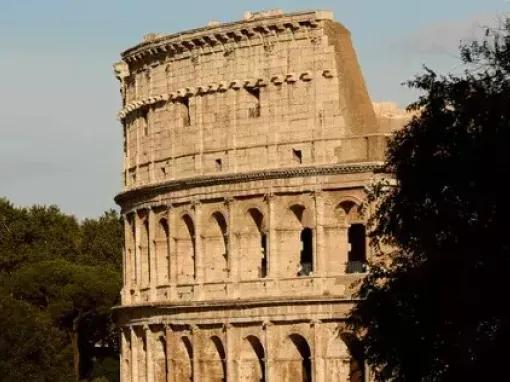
(248, 148)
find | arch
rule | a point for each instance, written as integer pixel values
(161, 365)
(295, 233)
(344, 359)
(145, 254)
(161, 246)
(295, 364)
(213, 361)
(253, 245)
(182, 361)
(215, 242)
(252, 366)
(185, 245)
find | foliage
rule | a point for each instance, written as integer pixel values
(61, 279)
(433, 310)
(30, 348)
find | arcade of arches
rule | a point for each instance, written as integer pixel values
(302, 352)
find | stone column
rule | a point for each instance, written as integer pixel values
(172, 272)
(272, 257)
(195, 339)
(318, 259)
(126, 260)
(168, 334)
(229, 352)
(199, 267)
(149, 356)
(317, 365)
(134, 355)
(232, 253)
(138, 263)
(268, 351)
(124, 354)
(153, 272)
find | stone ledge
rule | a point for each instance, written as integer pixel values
(201, 181)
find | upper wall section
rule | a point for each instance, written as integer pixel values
(274, 90)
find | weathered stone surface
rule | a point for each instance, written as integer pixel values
(248, 147)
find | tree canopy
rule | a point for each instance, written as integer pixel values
(60, 280)
(432, 307)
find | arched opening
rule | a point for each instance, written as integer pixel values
(182, 360)
(345, 360)
(145, 255)
(213, 361)
(299, 364)
(162, 256)
(215, 241)
(253, 246)
(306, 254)
(252, 367)
(161, 372)
(356, 257)
(185, 250)
(142, 357)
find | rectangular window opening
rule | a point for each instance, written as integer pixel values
(254, 110)
(297, 155)
(186, 115)
(219, 165)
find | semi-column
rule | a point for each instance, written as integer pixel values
(318, 265)
(125, 353)
(199, 268)
(172, 261)
(134, 355)
(149, 353)
(138, 263)
(229, 350)
(272, 260)
(195, 338)
(153, 271)
(268, 351)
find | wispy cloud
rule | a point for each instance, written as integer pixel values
(444, 38)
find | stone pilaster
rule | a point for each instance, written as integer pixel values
(272, 259)
(134, 355)
(153, 270)
(317, 364)
(172, 253)
(199, 266)
(268, 350)
(149, 353)
(318, 266)
(229, 352)
(196, 342)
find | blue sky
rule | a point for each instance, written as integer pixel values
(60, 140)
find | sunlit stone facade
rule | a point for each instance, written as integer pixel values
(248, 148)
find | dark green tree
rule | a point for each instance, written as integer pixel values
(433, 308)
(78, 300)
(31, 349)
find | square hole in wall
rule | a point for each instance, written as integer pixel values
(219, 165)
(297, 155)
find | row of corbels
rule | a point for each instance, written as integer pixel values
(221, 87)
(179, 43)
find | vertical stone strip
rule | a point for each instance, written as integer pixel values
(268, 350)
(229, 352)
(318, 258)
(149, 353)
(138, 262)
(134, 355)
(199, 267)
(272, 260)
(126, 269)
(195, 339)
(233, 256)
(153, 265)
(317, 366)
(172, 252)
(124, 373)
(168, 337)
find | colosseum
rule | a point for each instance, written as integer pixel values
(248, 147)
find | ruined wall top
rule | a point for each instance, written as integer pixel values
(253, 24)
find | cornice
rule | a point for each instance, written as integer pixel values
(221, 86)
(213, 180)
(221, 34)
